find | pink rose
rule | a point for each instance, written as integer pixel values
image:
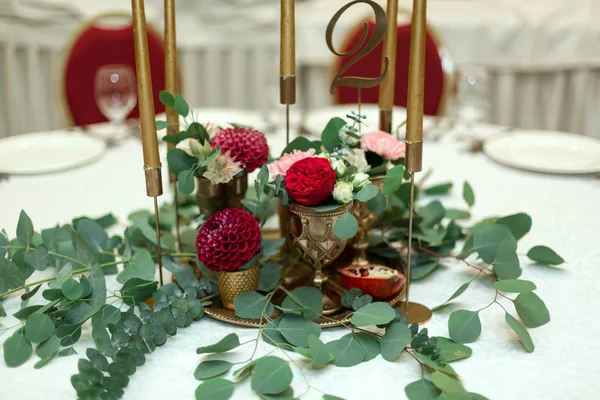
(281, 166)
(384, 144)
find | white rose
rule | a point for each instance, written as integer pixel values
(342, 192)
(358, 160)
(359, 180)
(339, 166)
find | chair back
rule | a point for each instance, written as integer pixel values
(106, 39)
(438, 70)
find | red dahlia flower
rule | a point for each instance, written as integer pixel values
(228, 240)
(310, 181)
(245, 145)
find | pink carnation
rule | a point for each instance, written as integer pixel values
(384, 144)
(281, 166)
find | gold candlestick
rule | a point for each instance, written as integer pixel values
(152, 166)
(287, 62)
(414, 137)
(172, 86)
(387, 88)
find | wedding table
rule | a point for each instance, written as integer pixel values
(564, 210)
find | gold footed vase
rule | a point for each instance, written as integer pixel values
(311, 233)
(233, 283)
(213, 198)
(366, 219)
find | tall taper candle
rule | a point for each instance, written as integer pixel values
(287, 50)
(416, 87)
(387, 88)
(146, 102)
(171, 78)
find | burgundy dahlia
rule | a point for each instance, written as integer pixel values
(228, 240)
(245, 145)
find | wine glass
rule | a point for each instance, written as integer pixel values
(472, 95)
(115, 91)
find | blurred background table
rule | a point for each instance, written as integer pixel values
(542, 59)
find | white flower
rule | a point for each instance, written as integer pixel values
(359, 180)
(358, 160)
(324, 155)
(194, 148)
(342, 192)
(339, 166)
(222, 169)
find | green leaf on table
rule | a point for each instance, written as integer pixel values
(457, 293)
(72, 289)
(488, 240)
(185, 182)
(166, 98)
(3, 244)
(287, 394)
(378, 313)
(271, 375)
(453, 213)
(2, 310)
(48, 348)
(43, 362)
(521, 332)
(302, 144)
(347, 351)
(330, 135)
(425, 359)
(396, 338)
(519, 224)
(370, 343)
(61, 276)
(305, 297)
(319, 353)
(108, 314)
(361, 301)
(17, 350)
(271, 335)
(451, 351)
(251, 305)
(184, 273)
(367, 193)
(515, 286)
(229, 342)
(93, 234)
(269, 276)
(544, 255)
(141, 267)
(531, 310)
(506, 263)
(346, 226)
(211, 368)
(136, 290)
(468, 194)
(440, 189)
(181, 105)
(296, 329)
(393, 180)
(38, 328)
(446, 384)
(148, 231)
(432, 214)
(37, 259)
(464, 326)
(215, 389)
(10, 275)
(420, 271)
(24, 229)
(421, 390)
(349, 296)
(331, 397)
(377, 204)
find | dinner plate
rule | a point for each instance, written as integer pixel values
(225, 116)
(44, 152)
(546, 151)
(316, 120)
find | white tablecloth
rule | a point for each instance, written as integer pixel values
(564, 211)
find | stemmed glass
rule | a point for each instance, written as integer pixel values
(116, 96)
(472, 95)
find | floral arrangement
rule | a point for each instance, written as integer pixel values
(208, 151)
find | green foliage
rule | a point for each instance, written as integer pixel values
(531, 310)
(72, 289)
(24, 229)
(347, 351)
(393, 180)
(457, 293)
(373, 314)
(228, 343)
(439, 189)
(468, 194)
(507, 263)
(515, 286)
(141, 267)
(521, 332)
(252, 305)
(181, 105)
(451, 351)
(395, 339)
(10, 275)
(296, 329)
(446, 383)
(488, 240)
(377, 204)
(211, 368)
(308, 299)
(422, 390)
(302, 144)
(271, 375)
(38, 328)
(330, 136)
(17, 350)
(367, 193)
(464, 326)
(544, 255)
(166, 98)
(319, 353)
(346, 226)
(519, 224)
(215, 389)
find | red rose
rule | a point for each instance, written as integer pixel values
(245, 145)
(228, 240)
(310, 181)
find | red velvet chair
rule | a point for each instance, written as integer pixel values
(98, 44)
(437, 80)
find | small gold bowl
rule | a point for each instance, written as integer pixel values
(233, 283)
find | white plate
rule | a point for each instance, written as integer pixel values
(44, 152)
(317, 120)
(545, 151)
(224, 116)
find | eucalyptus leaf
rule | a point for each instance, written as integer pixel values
(272, 336)
(148, 231)
(349, 296)
(17, 350)
(488, 240)
(211, 368)
(306, 298)
(93, 234)
(271, 375)
(24, 229)
(137, 290)
(185, 182)
(373, 314)
(141, 267)
(229, 342)
(396, 338)
(361, 301)
(457, 293)
(393, 180)
(319, 353)
(506, 263)
(166, 98)
(544, 255)
(421, 390)
(330, 135)
(251, 305)
(519, 224)
(48, 348)
(367, 193)
(37, 259)
(468, 194)
(38, 328)
(347, 351)
(254, 206)
(296, 329)
(439, 189)
(215, 389)
(446, 383)
(531, 310)
(425, 359)
(370, 343)
(302, 144)
(269, 276)
(3, 244)
(464, 326)
(453, 213)
(331, 397)
(72, 289)
(521, 332)
(451, 351)
(377, 204)
(432, 214)
(10, 275)
(346, 226)
(181, 105)
(515, 286)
